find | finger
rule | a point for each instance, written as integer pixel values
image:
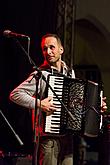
(105, 107)
(104, 98)
(103, 103)
(52, 106)
(50, 112)
(50, 98)
(53, 109)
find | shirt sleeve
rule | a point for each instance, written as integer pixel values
(24, 94)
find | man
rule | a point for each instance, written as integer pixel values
(53, 150)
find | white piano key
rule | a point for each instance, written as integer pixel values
(52, 124)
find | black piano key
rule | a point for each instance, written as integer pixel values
(55, 123)
(55, 129)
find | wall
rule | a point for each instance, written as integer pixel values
(93, 45)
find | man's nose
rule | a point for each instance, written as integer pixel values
(49, 51)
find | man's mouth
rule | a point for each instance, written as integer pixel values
(50, 57)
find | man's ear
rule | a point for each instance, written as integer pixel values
(61, 50)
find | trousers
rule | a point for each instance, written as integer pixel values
(56, 151)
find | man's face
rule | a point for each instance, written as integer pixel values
(51, 49)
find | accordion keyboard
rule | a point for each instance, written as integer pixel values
(52, 124)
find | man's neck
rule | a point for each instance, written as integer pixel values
(57, 65)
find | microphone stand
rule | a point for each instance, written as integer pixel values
(17, 137)
(38, 76)
(36, 113)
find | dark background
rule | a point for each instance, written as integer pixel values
(32, 18)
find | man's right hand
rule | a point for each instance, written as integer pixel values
(47, 105)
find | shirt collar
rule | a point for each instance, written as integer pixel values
(64, 67)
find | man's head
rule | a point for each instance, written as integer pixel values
(52, 48)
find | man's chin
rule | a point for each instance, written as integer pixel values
(51, 62)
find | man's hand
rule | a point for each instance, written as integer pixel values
(47, 105)
(104, 105)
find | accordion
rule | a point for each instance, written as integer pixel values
(78, 106)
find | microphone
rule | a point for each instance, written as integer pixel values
(9, 34)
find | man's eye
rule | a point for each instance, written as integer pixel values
(44, 49)
(52, 47)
